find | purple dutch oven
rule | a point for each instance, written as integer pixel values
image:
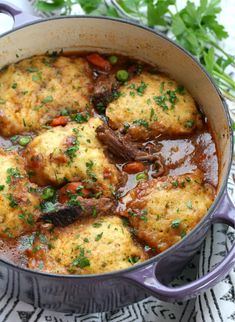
(103, 292)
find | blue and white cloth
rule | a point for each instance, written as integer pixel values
(215, 305)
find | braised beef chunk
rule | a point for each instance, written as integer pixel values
(105, 89)
(123, 147)
(85, 207)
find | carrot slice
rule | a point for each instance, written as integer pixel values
(71, 188)
(99, 61)
(133, 167)
(60, 120)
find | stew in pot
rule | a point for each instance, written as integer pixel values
(105, 162)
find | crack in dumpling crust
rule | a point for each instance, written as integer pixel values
(86, 247)
(162, 211)
(149, 105)
(19, 201)
(72, 153)
(35, 90)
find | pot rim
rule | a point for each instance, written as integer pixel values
(218, 198)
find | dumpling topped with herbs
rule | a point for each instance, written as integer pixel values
(19, 201)
(37, 89)
(89, 246)
(72, 153)
(152, 104)
(164, 210)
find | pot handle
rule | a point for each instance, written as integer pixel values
(147, 277)
(18, 15)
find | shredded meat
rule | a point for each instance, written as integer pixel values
(65, 215)
(121, 146)
(104, 89)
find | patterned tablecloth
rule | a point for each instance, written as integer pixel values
(217, 304)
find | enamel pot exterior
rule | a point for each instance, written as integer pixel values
(110, 291)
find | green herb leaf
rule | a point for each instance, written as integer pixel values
(141, 122)
(175, 223)
(98, 237)
(47, 99)
(50, 6)
(133, 259)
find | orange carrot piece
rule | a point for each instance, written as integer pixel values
(133, 167)
(60, 120)
(71, 188)
(99, 61)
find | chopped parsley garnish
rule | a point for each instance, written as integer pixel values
(94, 212)
(72, 150)
(189, 124)
(152, 113)
(13, 203)
(29, 219)
(132, 213)
(97, 225)
(141, 89)
(98, 237)
(144, 218)
(40, 265)
(73, 202)
(167, 96)
(48, 193)
(172, 97)
(89, 170)
(13, 173)
(80, 118)
(43, 239)
(189, 204)
(162, 87)
(8, 232)
(183, 234)
(64, 112)
(133, 259)
(14, 85)
(161, 101)
(125, 221)
(32, 69)
(175, 223)
(48, 206)
(141, 122)
(175, 183)
(180, 90)
(81, 260)
(47, 99)
(37, 77)
(2, 187)
(100, 107)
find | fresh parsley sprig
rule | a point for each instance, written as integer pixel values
(195, 27)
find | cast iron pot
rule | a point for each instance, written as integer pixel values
(103, 292)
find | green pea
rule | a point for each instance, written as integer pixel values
(64, 112)
(48, 193)
(141, 176)
(122, 75)
(113, 60)
(24, 140)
